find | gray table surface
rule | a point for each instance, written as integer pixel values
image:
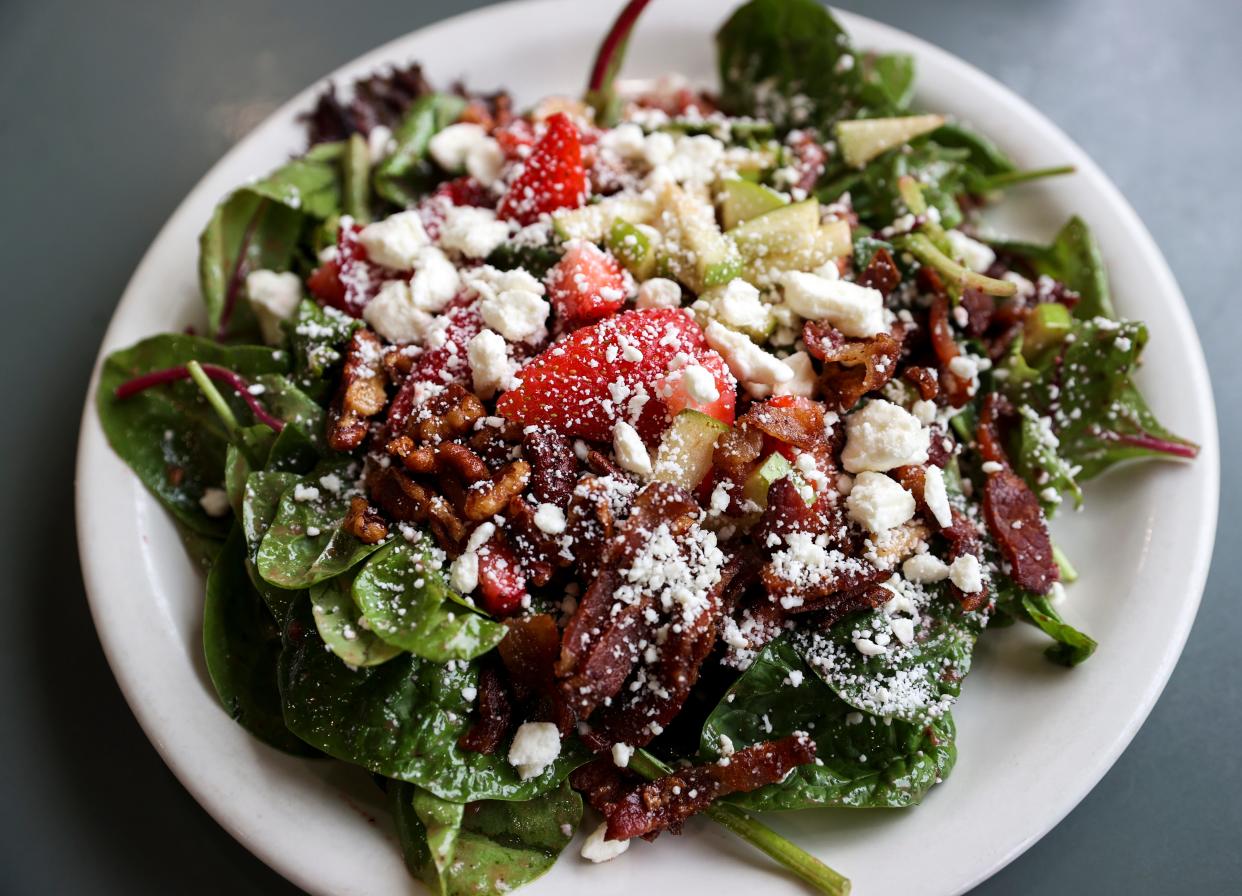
(110, 112)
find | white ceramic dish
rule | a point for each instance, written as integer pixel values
(1034, 738)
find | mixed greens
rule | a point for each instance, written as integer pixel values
(626, 542)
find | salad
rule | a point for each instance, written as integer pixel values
(664, 451)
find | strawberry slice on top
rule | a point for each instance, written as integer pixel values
(616, 370)
(586, 285)
(553, 177)
(348, 281)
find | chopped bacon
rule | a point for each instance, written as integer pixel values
(809, 159)
(925, 379)
(494, 707)
(845, 589)
(979, 307)
(529, 652)
(667, 802)
(553, 465)
(361, 394)
(787, 513)
(852, 367)
(1016, 521)
(881, 273)
(956, 389)
(790, 419)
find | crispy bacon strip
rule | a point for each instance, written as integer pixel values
(495, 713)
(851, 367)
(881, 273)
(791, 419)
(925, 379)
(667, 802)
(361, 394)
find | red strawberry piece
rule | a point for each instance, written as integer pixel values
(677, 395)
(614, 370)
(586, 285)
(552, 178)
(465, 191)
(502, 584)
(441, 362)
(516, 139)
(349, 281)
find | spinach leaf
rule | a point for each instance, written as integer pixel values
(260, 226)
(317, 340)
(260, 501)
(169, 435)
(983, 158)
(357, 170)
(864, 762)
(305, 543)
(1073, 258)
(915, 682)
(406, 601)
(537, 260)
(888, 83)
(406, 175)
(1072, 646)
(337, 621)
(1040, 463)
(787, 61)
(490, 846)
(401, 719)
(941, 172)
(286, 401)
(241, 643)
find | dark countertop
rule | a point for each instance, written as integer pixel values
(110, 112)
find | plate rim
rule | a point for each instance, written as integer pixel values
(91, 439)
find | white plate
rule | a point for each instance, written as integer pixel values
(1034, 738)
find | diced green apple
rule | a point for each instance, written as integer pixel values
(862, 139)
(685, 453)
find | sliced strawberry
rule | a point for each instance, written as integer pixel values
(587, 284)
(465, 191)
(502, 584)
(610, 371)
(677, 395)
(553, 177)
(440, 363)
(349, 281)
(516, 139)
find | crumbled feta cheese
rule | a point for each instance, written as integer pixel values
(550, 519)
(597, 849)
(738, 306)
(274, 297)
(924, 410)
(751, 365)
(303, 493)
(659, 292)
(535, 746)
(854, 310)
(966, 573)
(903, 629)
(435, 282)
(867, 647)
(658, 147)
(935, 496)
(924, 569)
(467, 146)
(215, 502)
(621, 754)
(379, 143)
(395, 241)
(474, 232)
(990, 466)
(393, 314)
(631, 453)
(490, 364)
(700, 384)
(464, 575)
(512, 303)
(881, 436)
(626, 140)
(879, 503)
(804, 377)
(973, 254)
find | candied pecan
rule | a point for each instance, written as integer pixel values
(925, 379)
(398, 495)
(449, 531)
(398, 361)
(552, 463)
(364, 522)
(881, 273)
(600, 464)
(494, 708)
(360, 395)
(415, 458)
(668, 801)
(460, 461)
(488, 497)
(1016, 521)
(446, 415)
(494, 444)
(851, 367)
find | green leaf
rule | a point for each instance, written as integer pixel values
(317, 339)
(1074, 259)
(406, 601)
(337, 619)
(1072, 646)
(787, 61)
(168, 434)
(405, 175)
(1040, 463)
(305, 543)
(888, 83)
(489, 846)
(241, 644)
(914, 682)
(864, 762)
(260, 501)
(401, 719)
(357, 193)
(261, 226)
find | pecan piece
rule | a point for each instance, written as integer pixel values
(398, 495)
(488, 497)
(553, 465)
(881, 273)
(361, 394)
(364, 522)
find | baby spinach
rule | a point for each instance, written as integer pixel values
(169, 435)
(1040, 463)
(401, 719)
(914, 682)
(1072, 646)
(1073, 258)
(787, 61)
(241, 644)
(408, 604)
(260, 226)
(406, 175)
(337, 621)
(305, 543)
(317, 338)
(489, 846)
(864, 762)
